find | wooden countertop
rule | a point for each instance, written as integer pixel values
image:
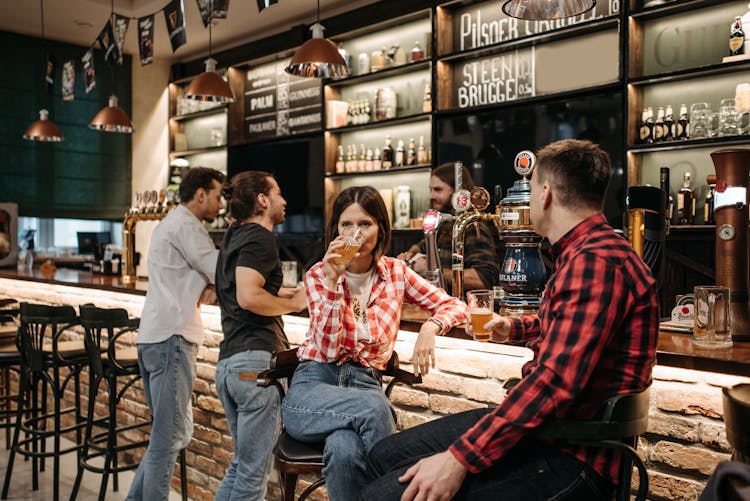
(675, 350)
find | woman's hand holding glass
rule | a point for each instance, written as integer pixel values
(500, 327)
(341, 251)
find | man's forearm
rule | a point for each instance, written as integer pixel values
(266, 304)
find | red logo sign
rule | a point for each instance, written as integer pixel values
(510, 265)
(721, 186)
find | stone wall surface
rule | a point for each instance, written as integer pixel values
(685, 441)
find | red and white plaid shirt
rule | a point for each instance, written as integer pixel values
(332, 333)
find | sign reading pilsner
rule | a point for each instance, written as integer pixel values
(278, 104)
(485, 24)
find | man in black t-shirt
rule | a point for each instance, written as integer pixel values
(248, 288)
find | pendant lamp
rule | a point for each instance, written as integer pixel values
(44, 129)
(209, 86)
(112, 118)
(318, 57)
(537, 10)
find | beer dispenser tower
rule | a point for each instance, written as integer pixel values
(731, 215)
(522, 274)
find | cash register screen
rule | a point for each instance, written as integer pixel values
(92, 243)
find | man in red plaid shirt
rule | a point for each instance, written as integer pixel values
(594, 337)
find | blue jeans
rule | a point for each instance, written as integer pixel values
(168, 370)
(253, 417)
(531, 471)
(344, 406)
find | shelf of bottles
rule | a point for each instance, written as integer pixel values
(686, 98)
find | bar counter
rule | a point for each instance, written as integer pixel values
(674, 349)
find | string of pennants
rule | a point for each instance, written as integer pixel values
(111, 40)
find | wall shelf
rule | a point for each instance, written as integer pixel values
(199, 114)
(381, 172)
(176, 154)
(381, 74)
(672, 8)
(691, 73)
(383, 123)
(689, 144)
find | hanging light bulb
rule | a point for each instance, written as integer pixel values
(209, 86)
(44, 129)
(318, 57)
(534, 10)
(112, 118)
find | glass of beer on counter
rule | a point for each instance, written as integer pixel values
(480, 311)
(352, 243)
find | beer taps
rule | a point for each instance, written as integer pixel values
(431, 221)
(148, 206)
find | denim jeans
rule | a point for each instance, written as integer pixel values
(531, 471)
(168, 370)
(344, 406)
(254, 423)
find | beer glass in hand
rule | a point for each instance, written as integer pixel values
(349, 250)
(480, 312)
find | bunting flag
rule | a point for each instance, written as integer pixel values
(121, 29)
(146, 39)
(107, 43)
(89, 77)
(49, 73)
(212, 9)
(204, 6)
(221, 7)
(68, 80)
(174, 14)
(262, 4)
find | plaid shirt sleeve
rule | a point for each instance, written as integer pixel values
(577, 321)
(450, 311)
(327, 320)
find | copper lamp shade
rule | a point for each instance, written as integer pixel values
(534, 10)
(209, 86)
(318, 58)
(43, 130)
(112, 119)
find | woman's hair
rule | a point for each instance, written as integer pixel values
(242, 193)
(447, 174)
(372, 203)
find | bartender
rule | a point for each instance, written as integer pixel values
(481, 256)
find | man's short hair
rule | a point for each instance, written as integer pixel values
(196, 178)
(579, 171)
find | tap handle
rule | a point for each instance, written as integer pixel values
(498, 194)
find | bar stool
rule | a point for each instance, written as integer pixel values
(110, 362)
(10, 360)
(293, 458)
(43, 355)
(736, 403)
(107, 363)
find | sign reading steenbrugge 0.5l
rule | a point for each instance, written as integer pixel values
(496, 79)
(486, 24)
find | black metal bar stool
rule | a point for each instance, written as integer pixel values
(10, 360)
(49, 362)
(110, 362)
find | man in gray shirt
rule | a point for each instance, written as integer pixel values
(181, 269)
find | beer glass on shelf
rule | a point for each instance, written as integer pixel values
(727, 118)
(711, 327)
(480, 312)
(700, 114)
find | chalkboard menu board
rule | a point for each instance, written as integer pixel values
(486, 24)
(278, 104)
(495, 79)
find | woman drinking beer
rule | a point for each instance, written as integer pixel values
(355, 297)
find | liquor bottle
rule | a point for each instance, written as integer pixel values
(686, 201)
(345, 56)
(362, 160)
(377, 163)
(421, 152)
(647, 126)
(708, 208)
(416, 53)
(366, 112)
(427, 99)
(736, 38)
(683, 124)
(411, 153)
(377, 60)
(387, 153)
(340, 164)
(399, 161)
(351, 158)
(669, 124)
(368, 160)
(399, 56)
(664, 185)
(659, 126)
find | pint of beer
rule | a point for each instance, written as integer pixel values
(480, 312)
